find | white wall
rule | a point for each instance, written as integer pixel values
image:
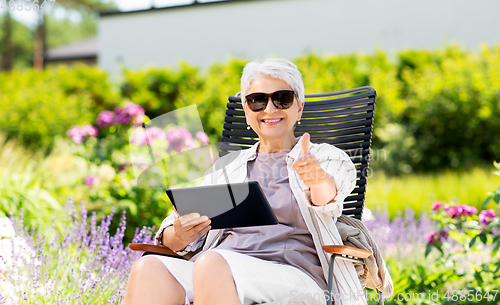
(202, 34)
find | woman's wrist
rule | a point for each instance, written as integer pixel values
(324, 193)
(171, 241)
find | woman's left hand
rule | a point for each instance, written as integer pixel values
(308, 168)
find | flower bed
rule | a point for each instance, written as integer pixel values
(84, 265)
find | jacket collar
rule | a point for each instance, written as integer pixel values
(251, 153)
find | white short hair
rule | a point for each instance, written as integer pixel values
(278, 68)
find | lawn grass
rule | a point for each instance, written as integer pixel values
(418, 191)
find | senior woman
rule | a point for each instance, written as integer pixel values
(305, 185)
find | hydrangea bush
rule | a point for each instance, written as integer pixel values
(110, 178)
(87, 264)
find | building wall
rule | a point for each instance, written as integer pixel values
(206, 33)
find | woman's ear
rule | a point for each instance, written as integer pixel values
(301, 109)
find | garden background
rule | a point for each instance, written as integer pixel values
(432, 191)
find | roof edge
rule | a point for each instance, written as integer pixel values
(195, 4)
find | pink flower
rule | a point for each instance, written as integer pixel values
(461, 210)
(138, 119)
(436, 205)
(486, 216)
(469, 210)
(153, 134)
(179, 138)
(142, 136)
(121, 116)
(105, 119)
(75, 133)
(91, 180)
(202, 137)
(436, 237)
(78, 133)
(89, 131)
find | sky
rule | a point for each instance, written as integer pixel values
(29, 18)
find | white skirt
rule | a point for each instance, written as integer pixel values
(257, 281)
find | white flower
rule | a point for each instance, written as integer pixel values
(11, 248)
(6, 228)
(106, 172)
(368, 215)
(8, 291)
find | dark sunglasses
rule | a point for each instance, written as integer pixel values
(282, 99)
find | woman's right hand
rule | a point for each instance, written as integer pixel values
(191, 226)
(185, 230)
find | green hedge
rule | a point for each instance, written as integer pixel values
(38, 105)
(435, 109)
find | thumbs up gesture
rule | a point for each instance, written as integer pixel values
(308, 168)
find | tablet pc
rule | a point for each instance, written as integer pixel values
(227, 205)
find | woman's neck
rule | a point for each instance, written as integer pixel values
(277, 145)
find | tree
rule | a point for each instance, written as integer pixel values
(88, 6)
(16, 44)
(8, 48)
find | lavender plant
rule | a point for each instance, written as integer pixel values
(84, 265)
(402, 235)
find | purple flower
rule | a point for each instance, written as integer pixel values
(123, 166)
(179, 138)
(436, 205)
(130, 113)
(132, 109)
(99, 259)
(105, 119)
(486, 216)
(121, 117)
(91, 180)
(202, 137)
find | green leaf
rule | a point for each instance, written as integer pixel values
(486, 202)
(472, 241)
(482, 237)
(440, 249)
(495, 249)
(496, 198)
(428, 249)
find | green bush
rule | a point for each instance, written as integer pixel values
(452, 108)
(436, 109)
(39, 105)
(160, 90)
(23, 186)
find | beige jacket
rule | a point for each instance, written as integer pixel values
(374, 273)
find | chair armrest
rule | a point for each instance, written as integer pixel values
(346, 250)
(154, 249)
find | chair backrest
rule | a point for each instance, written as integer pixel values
(344, 119)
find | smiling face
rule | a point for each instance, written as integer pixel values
(272, 123)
